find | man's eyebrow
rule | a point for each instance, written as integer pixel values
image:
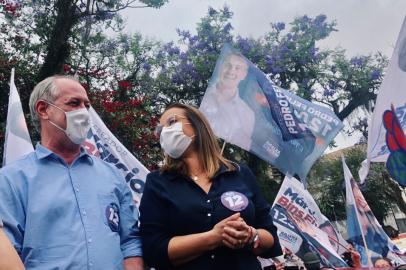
(76, 99)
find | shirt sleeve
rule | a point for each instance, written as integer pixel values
(130, 239)
(154, 217)
(12, 212)
(263, 217)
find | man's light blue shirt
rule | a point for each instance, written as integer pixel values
(58, 216)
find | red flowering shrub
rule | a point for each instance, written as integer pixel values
(131, 121)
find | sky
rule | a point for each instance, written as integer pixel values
(364, 26)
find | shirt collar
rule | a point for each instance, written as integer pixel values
(43, 152)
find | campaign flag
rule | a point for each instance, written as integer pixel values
(246, 109)
(102, 143)
(391, 92)
(298, 202)
(17, 141)
(396, 143)
(314, 239)
(364, 230)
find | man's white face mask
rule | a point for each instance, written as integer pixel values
(77, 124)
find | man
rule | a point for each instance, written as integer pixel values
(229, 116)
(383, 263)
(61, 207)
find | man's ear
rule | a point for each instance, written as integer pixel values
(41, 109)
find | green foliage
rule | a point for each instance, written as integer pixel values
(326, 184)
(131, 79)
(154, 3)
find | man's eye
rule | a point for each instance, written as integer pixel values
(73, 103)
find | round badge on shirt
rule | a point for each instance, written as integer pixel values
(113, 218)
(235, 201)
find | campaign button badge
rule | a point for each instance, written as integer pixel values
(235, 201)
(113, 218)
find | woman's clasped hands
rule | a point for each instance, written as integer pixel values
(233, 232)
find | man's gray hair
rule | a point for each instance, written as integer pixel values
(44, 90)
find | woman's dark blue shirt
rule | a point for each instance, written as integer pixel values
(174, 205)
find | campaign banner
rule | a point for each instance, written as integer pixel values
(17, 142)
(102, 143)
(390, 93)
(297, 203)
(314, 239)
(364, 231)
(246, 109)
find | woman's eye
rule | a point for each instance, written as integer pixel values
(171, 121)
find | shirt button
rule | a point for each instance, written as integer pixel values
(90, 240)
(84, 213)
(212, 256)
(208, 201)
(209, 214)
(77, 190)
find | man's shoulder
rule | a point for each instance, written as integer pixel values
(16, 173)
(23, 163)
(103, 164)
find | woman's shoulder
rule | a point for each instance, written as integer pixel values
(242, 171)
(242, 168)
(157, 175)
(247, 174)
(156, 181)
(161, 177)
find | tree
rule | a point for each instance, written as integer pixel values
(326, 182)
(47, 34)
(131, 79)
(45, 37)
(289, 56)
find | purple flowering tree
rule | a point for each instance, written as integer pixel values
(131, 79)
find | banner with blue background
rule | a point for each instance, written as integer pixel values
(246, 109)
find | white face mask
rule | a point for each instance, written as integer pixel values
(173, 141)
(77, 124)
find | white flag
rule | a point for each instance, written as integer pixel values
(17, 141)
(102, 143)
(296, 201)
(391, 91)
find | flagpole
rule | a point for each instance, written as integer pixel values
(363, 236)
(224, 146)
(337, 242)
(356, 213)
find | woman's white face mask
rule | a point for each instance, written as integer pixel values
(174, 141)
(77, 124)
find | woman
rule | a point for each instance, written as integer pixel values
(201, 211)
(9, 259)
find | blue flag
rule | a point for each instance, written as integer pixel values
(282, 111)
(364, 231)
(246, 109)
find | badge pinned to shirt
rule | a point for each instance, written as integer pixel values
(235, 201)
(113, 218)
